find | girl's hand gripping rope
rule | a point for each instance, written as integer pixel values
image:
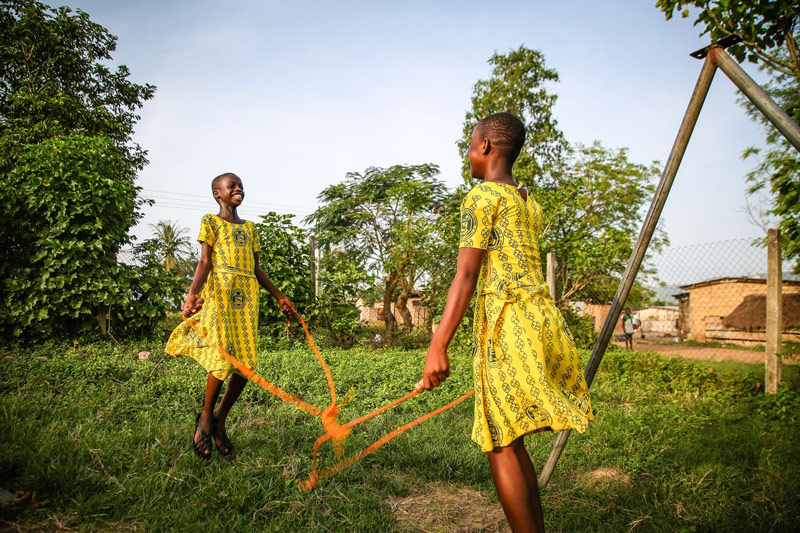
(437, 367)
(192, 305)
(287, 307)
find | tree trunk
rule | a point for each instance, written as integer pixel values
(388, 315)
(402, 307)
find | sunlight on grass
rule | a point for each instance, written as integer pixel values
(676, 445)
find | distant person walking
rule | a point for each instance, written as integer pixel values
(628, 327)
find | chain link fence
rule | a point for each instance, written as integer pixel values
(706, 301)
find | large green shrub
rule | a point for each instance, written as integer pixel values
(67, 166)
(82, 194)
(341, 281)
(285, 258)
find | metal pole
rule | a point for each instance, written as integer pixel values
(757, 95)
(670, 170)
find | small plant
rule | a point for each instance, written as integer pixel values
(783, 405)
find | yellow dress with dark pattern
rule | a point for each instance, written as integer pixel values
(527, 372)
(229, 317)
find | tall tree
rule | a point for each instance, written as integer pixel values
(172, 243)
(518, 85)
(382, 219)
(591, 196)
(593, 213)
(771, 38)
(67, 164)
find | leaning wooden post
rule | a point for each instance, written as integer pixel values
(639, 250)
(551, 274)
(772, 360)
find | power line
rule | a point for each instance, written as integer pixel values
(262, 204)
(206, 207)
(244, 212)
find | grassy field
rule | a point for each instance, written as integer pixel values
(103, 438)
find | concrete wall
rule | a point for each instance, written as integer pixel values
(419, 313)
(658, 321)
(598, 312)
(710, 303)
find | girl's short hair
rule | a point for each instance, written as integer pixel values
(215, 181)
(505, 132)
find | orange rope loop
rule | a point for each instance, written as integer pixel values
(334, 431)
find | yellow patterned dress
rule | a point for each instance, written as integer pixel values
(229, 317)
(527, 372)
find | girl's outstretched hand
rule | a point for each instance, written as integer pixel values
(437, 367)
(192, 305)
(287, 307)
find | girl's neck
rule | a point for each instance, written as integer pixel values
(506, 178)
(498, 171)
(229, 213)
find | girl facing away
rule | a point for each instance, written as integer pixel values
(526, 369)
(226, 311)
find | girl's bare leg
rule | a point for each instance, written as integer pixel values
(213, 386)
(515, 481)
(235, 387)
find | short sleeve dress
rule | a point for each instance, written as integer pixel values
(229, 317)
(527, 371)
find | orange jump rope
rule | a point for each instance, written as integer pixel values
(334, 431)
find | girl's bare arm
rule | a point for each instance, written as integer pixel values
(283, 302)
(193, 301)
(468, 268)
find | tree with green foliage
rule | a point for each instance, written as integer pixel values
(67, 165)
(770, 31)
(591, 196)
(71, 272)
(593, 212)
(284, 256)
(518, 85)
(341, 282)
(172, 243)
(382, 218)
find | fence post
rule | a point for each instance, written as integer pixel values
(551, 274)
(772, 361)
(312, 244)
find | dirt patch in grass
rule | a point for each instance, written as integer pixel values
(608, 477)
(447, 508)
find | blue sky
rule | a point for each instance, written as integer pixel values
(292, 95)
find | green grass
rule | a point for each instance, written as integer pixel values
(704, 450)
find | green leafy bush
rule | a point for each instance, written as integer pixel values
(783, 405)
(581, 327)
(285, 258)
(341, 280)
(67, 165)
(81, 190)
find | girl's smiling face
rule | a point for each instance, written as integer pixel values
(230, 191)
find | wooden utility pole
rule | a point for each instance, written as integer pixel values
(551, 274)
(312, 259)
(774, 312)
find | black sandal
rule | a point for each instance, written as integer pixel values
(225, 449)
(202, 448)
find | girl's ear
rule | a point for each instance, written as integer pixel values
(486, 147)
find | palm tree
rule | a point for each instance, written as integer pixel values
(172, 242)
